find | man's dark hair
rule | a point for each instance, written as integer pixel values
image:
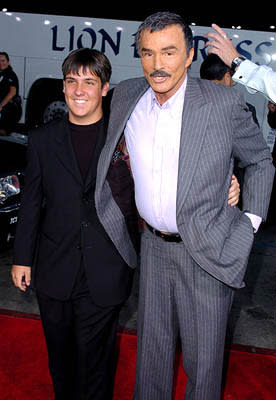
(213, 68)
(87, 59)
(160, 21)
(3, 53)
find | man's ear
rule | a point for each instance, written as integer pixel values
(190, 58)
(227, 79)
(105, 89)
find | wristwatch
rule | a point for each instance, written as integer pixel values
(236, 62)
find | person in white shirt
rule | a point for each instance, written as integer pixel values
(182, 135)
(256, 78)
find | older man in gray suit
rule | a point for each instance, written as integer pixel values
(182, 135)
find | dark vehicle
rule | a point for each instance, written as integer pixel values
(12, 165)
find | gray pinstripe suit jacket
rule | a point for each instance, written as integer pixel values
(217, 127)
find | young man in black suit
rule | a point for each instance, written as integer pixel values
(81, 273)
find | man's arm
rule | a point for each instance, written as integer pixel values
(233, 199)
(256, 78)
(10, 95)
(253, 154)
(28, 220)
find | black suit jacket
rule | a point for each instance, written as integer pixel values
(58, 227)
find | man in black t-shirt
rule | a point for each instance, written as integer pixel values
(10, 103)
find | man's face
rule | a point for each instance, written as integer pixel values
(164, 60)
(4, 63)
(83, 95)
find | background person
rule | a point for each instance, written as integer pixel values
(10, 102)
(256, 78)
(271, 120)
(214, 69)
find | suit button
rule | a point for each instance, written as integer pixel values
(85, 199)
(84, 224)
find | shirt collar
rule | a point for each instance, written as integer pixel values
(176, 100)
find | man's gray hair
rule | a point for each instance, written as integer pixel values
(161, 20)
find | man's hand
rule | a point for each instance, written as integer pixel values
(221, 45)
(21, 276)
(234, 192)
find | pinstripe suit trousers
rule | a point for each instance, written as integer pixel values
(177, 297)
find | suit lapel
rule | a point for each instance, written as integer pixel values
(194, 122)
(66, 154)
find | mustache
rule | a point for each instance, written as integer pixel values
(159, 72)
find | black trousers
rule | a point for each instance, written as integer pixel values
(80, 338)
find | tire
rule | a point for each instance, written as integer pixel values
(54, 110)
(45, 102)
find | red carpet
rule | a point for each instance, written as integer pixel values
(250, 373)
